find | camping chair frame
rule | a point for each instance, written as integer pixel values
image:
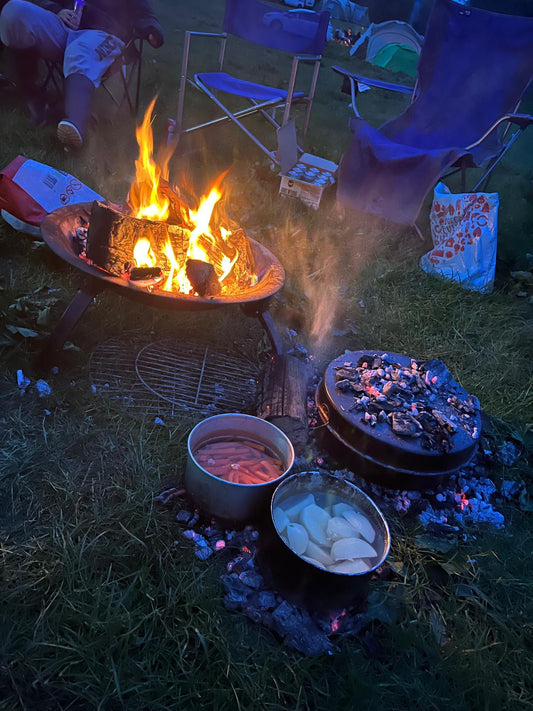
(128, 65)
(255, 106)
(515, 124)
(265, 103)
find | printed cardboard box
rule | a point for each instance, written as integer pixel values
(308, 178)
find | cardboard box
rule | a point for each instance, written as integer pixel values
(308, 178)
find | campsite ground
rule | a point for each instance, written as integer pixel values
(99, 608)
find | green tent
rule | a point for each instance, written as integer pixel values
(397, 58)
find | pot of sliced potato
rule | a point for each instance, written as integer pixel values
(332, 535)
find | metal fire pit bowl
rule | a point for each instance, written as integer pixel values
(301, 580)
(225, 499)
(58, 230)
(377, 453)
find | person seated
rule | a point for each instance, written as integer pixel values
(86, 46)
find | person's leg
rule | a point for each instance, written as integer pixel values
(88, 55)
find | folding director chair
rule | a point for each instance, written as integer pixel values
(301, 33)
(473, 71)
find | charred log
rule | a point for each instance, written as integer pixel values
(112, 236)
(140, 273)
(203, 277)
(283, 397)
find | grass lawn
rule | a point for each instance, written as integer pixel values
(100, 608)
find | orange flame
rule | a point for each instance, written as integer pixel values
(145, 197)
(150, 199)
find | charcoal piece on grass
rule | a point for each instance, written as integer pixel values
(203, 277)
(405, 425)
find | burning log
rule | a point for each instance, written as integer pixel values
(141, 273)
(203, 277)
(112, 236)
(283, 398)
(245, 264)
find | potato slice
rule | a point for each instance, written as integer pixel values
(349, 548)
(294, 504)
(315, 519)
(318, 553)
(361, 524)
(297, 537)
(340, 507)
(338, 527)
(314, 562)
(349, 567)
(280, 519)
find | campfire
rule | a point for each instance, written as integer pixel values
(158, 238)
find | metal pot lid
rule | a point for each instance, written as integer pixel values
(352, 404)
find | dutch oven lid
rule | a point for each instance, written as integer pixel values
(341, 411)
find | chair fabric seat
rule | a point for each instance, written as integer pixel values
(221, 81)
(474, 69)
(386, 178)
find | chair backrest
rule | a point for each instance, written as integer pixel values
(474, 68)
(296, 31)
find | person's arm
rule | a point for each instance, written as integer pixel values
(146, 23)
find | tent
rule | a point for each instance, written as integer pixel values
(397, 58)
(347, 11)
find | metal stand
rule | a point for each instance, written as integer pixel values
(72, 314)
(91, 287)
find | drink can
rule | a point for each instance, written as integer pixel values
(78, 11)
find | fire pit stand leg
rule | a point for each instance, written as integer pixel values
(259, 311)
(72, 314)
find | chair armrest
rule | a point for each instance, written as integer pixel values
(357, 78)
(520, 120)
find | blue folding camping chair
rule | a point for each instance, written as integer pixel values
(473, 71)
(301, 33)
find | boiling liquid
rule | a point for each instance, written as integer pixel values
(240, 460)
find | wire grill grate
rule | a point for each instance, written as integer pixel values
(170, 377)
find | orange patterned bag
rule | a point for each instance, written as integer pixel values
(464, 229)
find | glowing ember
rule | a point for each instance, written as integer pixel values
(205, 238)
(335, 622)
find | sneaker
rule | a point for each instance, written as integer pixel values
(68, 134)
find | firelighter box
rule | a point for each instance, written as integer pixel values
(308, 179)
